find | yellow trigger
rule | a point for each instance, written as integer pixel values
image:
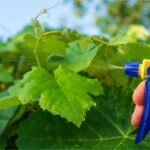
(143, 67)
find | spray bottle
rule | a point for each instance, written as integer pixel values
(136, 69)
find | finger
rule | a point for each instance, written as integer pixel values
(137, 115)
(138, 95)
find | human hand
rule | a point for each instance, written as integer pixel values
(138, 99)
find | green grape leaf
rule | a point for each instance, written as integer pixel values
(5, 116)
(66, 95)
(108, 66)
(80, 54)
(49, 44)
(136, 52)
(118, 40)
(107, 127)
(45, 46)
(8, 101)
(8, 98)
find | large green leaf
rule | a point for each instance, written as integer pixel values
(66, 95)
(106, 127)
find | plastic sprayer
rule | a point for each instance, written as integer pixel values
(137, 69)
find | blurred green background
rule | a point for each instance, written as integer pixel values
(115, 16)
(108, 17)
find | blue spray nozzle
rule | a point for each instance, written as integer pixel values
(131, 69)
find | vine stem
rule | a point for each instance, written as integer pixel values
(106, 50)
(50, 32)
(35, 52)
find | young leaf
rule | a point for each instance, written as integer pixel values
(79, 56)
(50, 44)
(66, 95)
(47, 45)
(116, 41)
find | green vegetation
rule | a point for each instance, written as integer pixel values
(60, 89)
